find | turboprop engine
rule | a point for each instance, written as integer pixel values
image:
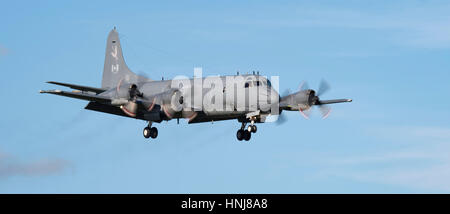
(165, 105)
(171, 103)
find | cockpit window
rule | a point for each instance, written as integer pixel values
(254, 83)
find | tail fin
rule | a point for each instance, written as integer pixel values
(115, 69)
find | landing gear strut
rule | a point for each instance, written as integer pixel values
(252, 128)
(150, 131)
(246, 133)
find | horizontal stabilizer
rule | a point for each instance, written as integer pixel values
(335, 101)
(79, 87)
(78, 95)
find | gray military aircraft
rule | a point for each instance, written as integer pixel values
(248, 98)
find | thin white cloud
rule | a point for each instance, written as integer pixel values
(384, 158)
(431, 134)
(350, 54)
(426, 178)
(11, 166)
(420, 26)
(422, 165)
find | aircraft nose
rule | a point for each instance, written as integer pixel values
(274, 96)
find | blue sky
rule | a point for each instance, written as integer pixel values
(391, 58)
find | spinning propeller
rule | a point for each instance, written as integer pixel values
(305, 98)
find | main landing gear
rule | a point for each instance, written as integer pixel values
(150, 131)
(246, 133)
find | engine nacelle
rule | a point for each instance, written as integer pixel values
(298, 101)
(171, 103)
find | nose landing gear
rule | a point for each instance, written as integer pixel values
(243, 135)
(252, 128)
(246, 133)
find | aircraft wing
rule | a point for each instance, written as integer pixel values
(79, 87)
(79, 95)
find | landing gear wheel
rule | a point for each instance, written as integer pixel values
(252, 128)
(247, 135)
(153, 132)
(146, 132)
(240, 134)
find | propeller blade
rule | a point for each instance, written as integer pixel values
(325, 111)
(323, 87)
(303, 86)
(130, 108)
(286, 92)
(305, 113)
(281, 119)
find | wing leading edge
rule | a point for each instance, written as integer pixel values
(79, 87)
(79, 95)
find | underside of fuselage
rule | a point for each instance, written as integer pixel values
(199, 118)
